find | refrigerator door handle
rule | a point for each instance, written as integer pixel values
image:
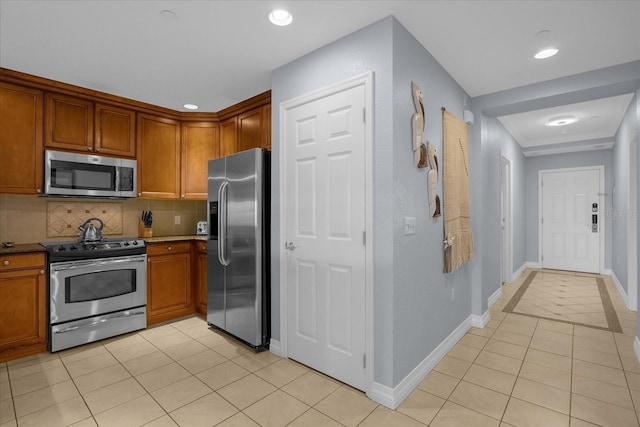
(222, 224)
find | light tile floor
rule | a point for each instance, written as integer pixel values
(517, 371)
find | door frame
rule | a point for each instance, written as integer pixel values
(506, 235)
(601, 210)
(365, 80)
(632, 227)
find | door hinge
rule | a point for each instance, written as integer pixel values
(364, 115)
(364, 361)
(541, 220)
(364, 237)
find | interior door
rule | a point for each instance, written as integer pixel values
(325, 223)
(571, 220)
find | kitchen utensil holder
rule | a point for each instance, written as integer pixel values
(144, 231)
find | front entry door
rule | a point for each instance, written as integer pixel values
(572, 220)
(324, 175)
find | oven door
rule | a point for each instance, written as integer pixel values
(86, 288)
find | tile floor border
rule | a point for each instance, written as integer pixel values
(608, 308)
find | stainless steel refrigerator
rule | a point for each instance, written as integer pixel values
(238, 263)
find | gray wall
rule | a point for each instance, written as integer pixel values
(423, 312)
(619, 213)
(412, 309)
(369, 49)
(559, 161)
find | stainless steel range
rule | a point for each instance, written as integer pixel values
(97, 289)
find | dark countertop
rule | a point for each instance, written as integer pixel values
(36, 247)
(22, 248)
(161, 239)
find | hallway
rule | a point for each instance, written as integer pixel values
(517, 371)
(529, 371)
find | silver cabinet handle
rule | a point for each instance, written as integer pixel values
(5, 262)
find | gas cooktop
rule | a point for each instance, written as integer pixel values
(79, 249)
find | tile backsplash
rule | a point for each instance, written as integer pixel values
(64, 218)
(28, 219)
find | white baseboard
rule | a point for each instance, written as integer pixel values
(636, 348)
(274, 347)
(480, 321)
(393, 397)
(533, 264)
(621, 290)
(494, 297)
(519, 271)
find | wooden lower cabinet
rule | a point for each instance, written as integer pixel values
(169, 283)
(201, 271)
(23, 305)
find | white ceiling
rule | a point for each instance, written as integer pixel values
(217, 53)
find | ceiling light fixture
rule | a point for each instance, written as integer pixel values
(547, 52)
(280, 17)
(561, 121)
(190, 106)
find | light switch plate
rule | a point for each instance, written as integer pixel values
(409, 225)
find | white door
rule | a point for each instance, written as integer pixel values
(324, 172)
(570, 236)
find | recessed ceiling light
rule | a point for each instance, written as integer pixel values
(190, 106)
(280, 17)
(547, 52)
(561, 121)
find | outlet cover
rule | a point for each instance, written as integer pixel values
(409, 225)
(177, 220)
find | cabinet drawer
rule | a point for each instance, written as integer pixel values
(168, 248)
(20, 261)
(201, 247)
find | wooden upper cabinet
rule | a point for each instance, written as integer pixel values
(20, 140)
(266, 126)
(69, 123)
(158, 147)
(75, 124)
(228, 136)
(250, 129)
(115, 131)
(200, 143)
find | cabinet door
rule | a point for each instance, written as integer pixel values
(22, 313)
(228, 137)
(266, 126)
(115, 131)
(202, 278)
(250, 129)
(69, 123)
(21, 123)
(200, 143)
(168, 287)
(158, 147)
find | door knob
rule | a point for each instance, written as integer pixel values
(290, 246)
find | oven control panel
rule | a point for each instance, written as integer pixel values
(71, 250)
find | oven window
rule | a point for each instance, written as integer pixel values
(100, 285)
(82, 176)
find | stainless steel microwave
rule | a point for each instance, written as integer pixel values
(83, 175)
